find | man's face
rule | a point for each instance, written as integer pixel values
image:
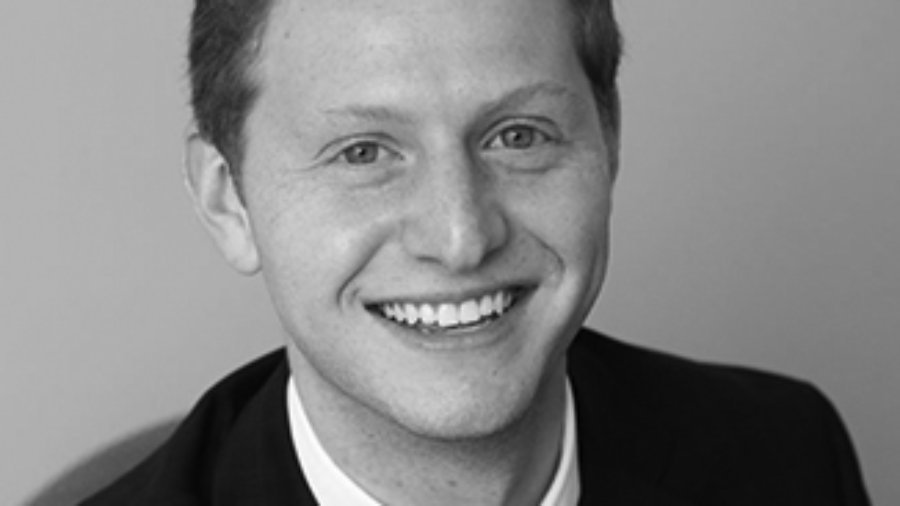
(428, 190)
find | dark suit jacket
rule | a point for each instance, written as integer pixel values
(653, 429)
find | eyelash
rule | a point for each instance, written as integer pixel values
(538, 137)
(344, 155)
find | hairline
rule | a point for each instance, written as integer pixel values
(251, 54)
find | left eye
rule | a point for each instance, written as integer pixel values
(362, 153)
(518, 137)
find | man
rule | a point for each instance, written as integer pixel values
(425, 187)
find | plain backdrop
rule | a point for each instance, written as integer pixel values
(757, 217)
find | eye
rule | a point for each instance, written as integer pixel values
(518, 137)
(362, 153)
(366, 152)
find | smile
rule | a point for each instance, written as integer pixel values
(442, 316)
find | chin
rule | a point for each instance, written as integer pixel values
(464, 424)
(473, 413)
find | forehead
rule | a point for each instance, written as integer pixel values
(401, 17)
(382, 47)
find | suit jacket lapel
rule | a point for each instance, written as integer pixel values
(258, 464)
(622, 458)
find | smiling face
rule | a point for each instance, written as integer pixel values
(427, 193)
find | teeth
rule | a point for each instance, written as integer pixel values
(487, 306)
(498, 300)
(468, 312)
(412, 316)
(449, 315)
(427, 314)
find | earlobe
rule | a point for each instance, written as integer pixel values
(218, 204)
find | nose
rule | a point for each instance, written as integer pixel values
(457, 220)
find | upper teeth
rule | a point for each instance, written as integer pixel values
(448, 314)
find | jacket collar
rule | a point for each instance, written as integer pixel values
(622, 457)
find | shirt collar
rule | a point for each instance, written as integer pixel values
(331, 486)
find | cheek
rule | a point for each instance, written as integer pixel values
(591, 238)
(582, 247)
(313, 245)
(570, 217)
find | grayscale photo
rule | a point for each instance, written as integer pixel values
(450, 252)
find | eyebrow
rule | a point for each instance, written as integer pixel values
(372, 113)
(525, 94)
(516, 98)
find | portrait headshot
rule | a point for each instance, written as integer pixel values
(446, 252)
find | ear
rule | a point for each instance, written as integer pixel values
(218, 203)
(613, 133)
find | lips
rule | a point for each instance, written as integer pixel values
(446, 315)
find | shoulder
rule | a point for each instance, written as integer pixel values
(183, 469)
(683, 388)
(710, 431)
(228, 398)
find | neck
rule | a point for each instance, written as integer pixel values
(512, 466)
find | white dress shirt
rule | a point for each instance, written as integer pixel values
(332, 487)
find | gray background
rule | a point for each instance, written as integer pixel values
(757, 217)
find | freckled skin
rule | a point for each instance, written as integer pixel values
(483, 166)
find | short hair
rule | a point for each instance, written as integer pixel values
(225, 41)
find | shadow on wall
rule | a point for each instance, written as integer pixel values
(98, 470)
